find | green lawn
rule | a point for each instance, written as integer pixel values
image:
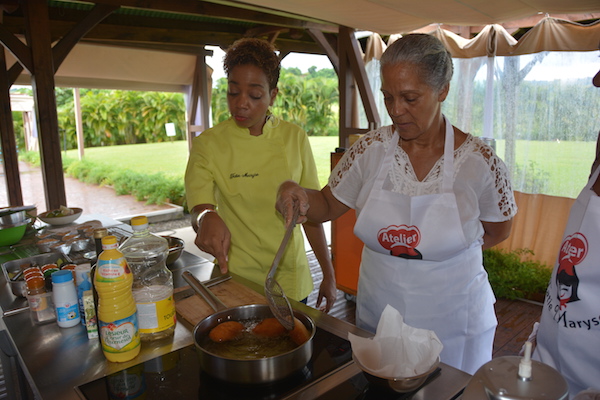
(566, 165)
(171, 157)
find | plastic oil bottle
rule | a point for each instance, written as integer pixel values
(146, 255)
(117, 316)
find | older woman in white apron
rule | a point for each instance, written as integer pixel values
(568, 336)
(427, 197)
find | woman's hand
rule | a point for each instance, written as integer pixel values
(213, 237)
(327, 291)
(291, 197)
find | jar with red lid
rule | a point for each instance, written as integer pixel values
(36, 285)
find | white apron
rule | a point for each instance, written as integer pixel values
(416, 259)
(568, 337)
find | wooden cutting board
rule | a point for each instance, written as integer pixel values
(194, 309)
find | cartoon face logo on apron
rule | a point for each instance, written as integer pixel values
(569, 332)
(401, 241)
(572, 252)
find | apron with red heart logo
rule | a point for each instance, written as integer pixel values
(568, 337)
(416, 258)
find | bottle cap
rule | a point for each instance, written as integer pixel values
(108, 240)
(100, 233)
(139, 222)
(62, 276)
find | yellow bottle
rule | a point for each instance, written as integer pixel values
(117, 317)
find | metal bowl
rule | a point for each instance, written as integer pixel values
(176, 246)
(13, 218)
(399, 384)
(10, 216)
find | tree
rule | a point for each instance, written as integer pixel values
(308, 100)
(510, 78)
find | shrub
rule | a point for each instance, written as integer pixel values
(513, 278)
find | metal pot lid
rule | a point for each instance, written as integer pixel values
(499, 379)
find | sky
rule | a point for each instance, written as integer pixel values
(301, 61)
(573, 64)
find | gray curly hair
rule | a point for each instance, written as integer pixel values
(425, 51)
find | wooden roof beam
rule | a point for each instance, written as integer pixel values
(237, 11)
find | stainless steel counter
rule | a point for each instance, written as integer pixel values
(56, 360)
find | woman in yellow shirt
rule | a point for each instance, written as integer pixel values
(233, 174)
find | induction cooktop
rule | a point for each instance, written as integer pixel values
(177, 375)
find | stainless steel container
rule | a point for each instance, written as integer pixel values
(10, 268)
(80, 244)
(253, 371)
(499, 380)
(247, 371)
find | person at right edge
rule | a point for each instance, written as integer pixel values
(428, 198)
(568, 335)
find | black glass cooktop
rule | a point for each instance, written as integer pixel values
(177, 375)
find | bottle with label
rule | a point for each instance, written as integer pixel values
(117, 317)
(99, 233)
(146, 255)
(64, 296)
(83, 283)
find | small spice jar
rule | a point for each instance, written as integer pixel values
(36, 285)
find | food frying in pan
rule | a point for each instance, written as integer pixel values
(269, 327)
(255, 339)
(299, 334)
(226, 331)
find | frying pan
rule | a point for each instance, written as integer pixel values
(246, 371)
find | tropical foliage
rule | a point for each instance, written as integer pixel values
(511, 277)
(309, 100)
(112, 117)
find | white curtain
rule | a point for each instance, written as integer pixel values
(535, 104)
(545, 115)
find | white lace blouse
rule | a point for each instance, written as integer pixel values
(481, 185)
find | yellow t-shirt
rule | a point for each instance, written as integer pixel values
(240, 174)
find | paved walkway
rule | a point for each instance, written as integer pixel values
(92, 199)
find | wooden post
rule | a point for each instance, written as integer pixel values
(42, 81)
(352, 75)
(7, 137)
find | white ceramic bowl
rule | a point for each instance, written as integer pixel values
(67, 219)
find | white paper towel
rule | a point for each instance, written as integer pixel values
(397, 350)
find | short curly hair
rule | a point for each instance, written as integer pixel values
(257, 52)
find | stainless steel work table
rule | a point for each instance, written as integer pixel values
(56, 360)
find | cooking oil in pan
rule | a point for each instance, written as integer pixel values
(249, 346)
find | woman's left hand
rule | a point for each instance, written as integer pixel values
(327, 291)
(290, 197)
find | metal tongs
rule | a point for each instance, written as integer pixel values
(278, 302)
